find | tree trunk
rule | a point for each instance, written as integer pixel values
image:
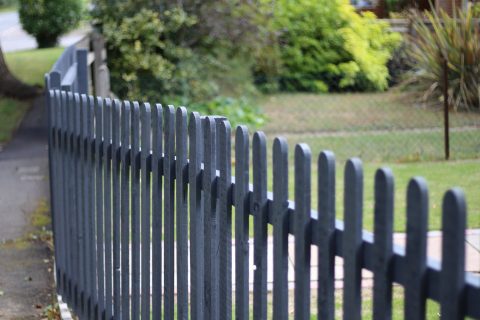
(11, 87)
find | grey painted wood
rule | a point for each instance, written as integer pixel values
(225, 218)
(352, 240)
(107, 205)
(196, 216)
(125, 210)
(70, 196)
(383, 233)
(99, 207)
(453, 255)
(169, 211)
(211, 266)
(72, 201)
(182, 213)
(75, 202)
(116, 125)
(146, 212)
(242, 209)
(82, 71)
(55, 167)
(280, 229)
(157, 146)
(302, 231)
(90, 177)
(66, 169)
(135, 210)
(259, 209)
(326, 227)
(82, 211)
(416, 249)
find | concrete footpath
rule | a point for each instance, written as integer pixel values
(26, 277)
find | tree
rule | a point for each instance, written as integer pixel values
(46, 20)
(12, 87)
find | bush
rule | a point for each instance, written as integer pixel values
(456, 39)
(148, 62)
(46, 20)
(325, 45)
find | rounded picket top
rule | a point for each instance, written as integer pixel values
(259, 140)
(145, 109)
(280, 148)
(241, 134)
(181, 113)
(302, 153)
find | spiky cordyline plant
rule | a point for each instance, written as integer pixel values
(438, 36)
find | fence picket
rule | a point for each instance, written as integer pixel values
(135, 210)
(125, 210)
(83, 263)
(107, 203)
(66, 193)
(63, 178)
(383, 235)
(116, 125)
(196, 217)
(182, 213)
(242, 209)
(225, 218)
(91, 207)
(302, 231)
(210, 222)
(280, 229)
(416, 250)
(99, 206)
(56, 167)
(453, 255)
(169, 211)
(76, 203)
(72, 196)
(146, 212)
(259, 209)
(326, 248)
(157, 146)
(352, 240)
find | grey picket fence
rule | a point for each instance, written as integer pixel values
(143, 196)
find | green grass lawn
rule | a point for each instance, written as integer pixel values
(30, 66)
(355, 125)
(440, 176)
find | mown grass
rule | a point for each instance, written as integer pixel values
(29, 66)
(354, 112)
(440, 176)
(344, 124)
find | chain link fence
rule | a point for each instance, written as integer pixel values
(387, 126)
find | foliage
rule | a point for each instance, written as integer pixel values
(399, 65)
(238, 111)
(194, 54)
(46, 20)
(7, 3)
(454, 39)
(326, 46)
(476, 10)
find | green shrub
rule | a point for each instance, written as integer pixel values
(326, 46)
(46, 20)
(456, 39)
(148, 63)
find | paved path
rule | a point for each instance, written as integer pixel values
(25, 279)
(14, 38)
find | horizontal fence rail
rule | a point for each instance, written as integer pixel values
(144, 207)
